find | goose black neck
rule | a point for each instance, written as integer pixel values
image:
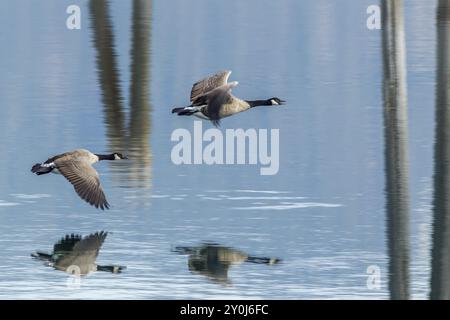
(255, 103)
(112, 269)
(105, 156)
(105, 268)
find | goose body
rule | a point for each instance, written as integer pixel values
(76, 167)
(211, 99)
(213, 260)
(76, 254)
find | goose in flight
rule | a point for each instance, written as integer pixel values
(211, 99)
(77, 255)
(76, 167)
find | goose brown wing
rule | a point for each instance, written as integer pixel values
(66, 244)
(59, 156)
(83, 254)
(210, 83)
(91, 243)
(85, 180)
(215, 100)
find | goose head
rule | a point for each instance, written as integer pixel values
(276, 101)
(119, 156)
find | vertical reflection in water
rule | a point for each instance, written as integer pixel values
(108, 74)
(396, 149)
(133, 140)
(139, 129)
(440, 274)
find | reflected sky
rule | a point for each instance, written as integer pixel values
(112, 84)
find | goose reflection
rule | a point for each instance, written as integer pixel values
(440, 254)
(214, 261)
(77, 255)
(133, 138)
(396, 147)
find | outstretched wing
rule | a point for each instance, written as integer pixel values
(91, 243)
(210, 83)
(85, 180)
(66, 244)
(52, 159)
(83, 254)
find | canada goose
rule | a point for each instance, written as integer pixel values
(213, 261)
(211, 99)
(76, 166)
(77, 255)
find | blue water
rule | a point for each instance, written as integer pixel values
(323, 214)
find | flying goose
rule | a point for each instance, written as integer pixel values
(211, 99)
(77, 255)
(76, 166)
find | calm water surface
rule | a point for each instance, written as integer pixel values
(196, 231)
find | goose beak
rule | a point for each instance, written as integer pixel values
(125, 157)
(282, 102)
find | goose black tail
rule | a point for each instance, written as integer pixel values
(185, 111)
(263, 260)
(41, 255)
(176, 110)
(39, 169)
(112, 269)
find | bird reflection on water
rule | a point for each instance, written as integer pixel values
(77, 255)
(214, 261)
